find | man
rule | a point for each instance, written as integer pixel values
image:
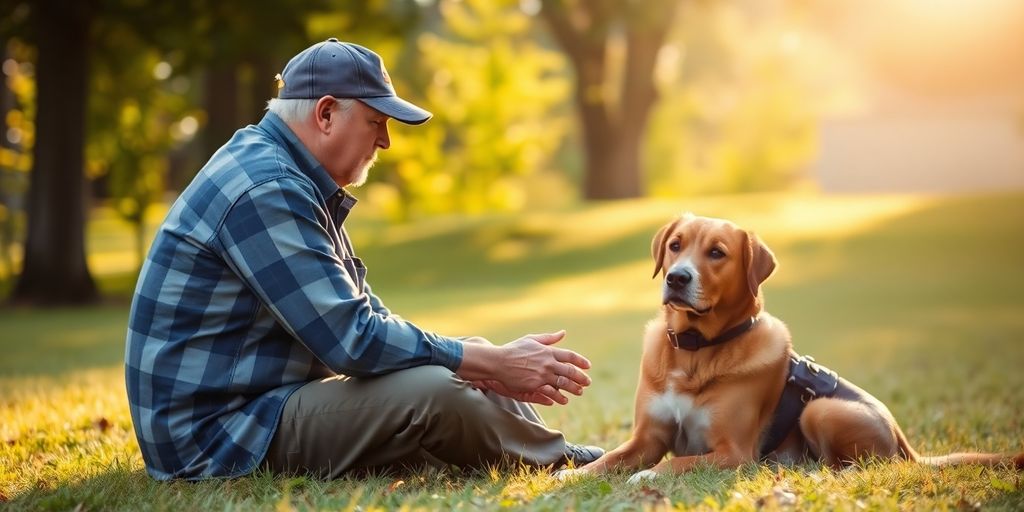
(254, 338)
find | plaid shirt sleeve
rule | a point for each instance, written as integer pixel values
(275, 237)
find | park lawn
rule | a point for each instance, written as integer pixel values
(917, 299)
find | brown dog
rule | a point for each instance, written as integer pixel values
(720, 383)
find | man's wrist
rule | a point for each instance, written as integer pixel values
(479, 361)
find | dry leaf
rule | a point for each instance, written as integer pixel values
(780, 497)
(101, 424)
(654, 497)
(394, 486)
(965, 504)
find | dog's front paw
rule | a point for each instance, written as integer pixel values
(642, 476)
(565, 475)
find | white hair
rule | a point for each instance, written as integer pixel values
(298, 110)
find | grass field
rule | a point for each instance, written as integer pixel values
(919, 300)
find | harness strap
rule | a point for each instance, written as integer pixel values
(807, 381)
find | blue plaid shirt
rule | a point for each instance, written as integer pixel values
(250, 290)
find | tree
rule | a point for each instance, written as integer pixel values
(138, 116)
(55, 270)
(613, 107)
(494, 92)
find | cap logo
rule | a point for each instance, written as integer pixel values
(387, 79)
(280, 81)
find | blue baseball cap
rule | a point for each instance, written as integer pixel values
(345, 70)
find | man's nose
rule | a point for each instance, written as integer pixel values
(677, 279)
(383, 138)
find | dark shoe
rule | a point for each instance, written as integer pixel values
(580, 455)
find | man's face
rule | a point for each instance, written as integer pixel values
(350, 148)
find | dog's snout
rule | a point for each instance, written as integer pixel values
(678, 279)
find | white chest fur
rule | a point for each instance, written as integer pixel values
(690, 421)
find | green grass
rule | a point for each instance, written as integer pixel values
(919, 300)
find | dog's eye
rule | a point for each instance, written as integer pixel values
(674, 246)
(716, 254)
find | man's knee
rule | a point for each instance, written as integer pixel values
(437, 385)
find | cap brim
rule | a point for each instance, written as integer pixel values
(395, 107)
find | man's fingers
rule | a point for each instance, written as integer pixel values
(548, 338)
(552, 393)
(568, 356)
(572, 373)
(564, 383)
(538, 398)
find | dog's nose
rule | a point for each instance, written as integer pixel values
(678, 279)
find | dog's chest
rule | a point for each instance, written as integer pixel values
(678, 411)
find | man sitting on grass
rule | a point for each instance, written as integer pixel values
(255, 340)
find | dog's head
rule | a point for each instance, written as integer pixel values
(710, 267)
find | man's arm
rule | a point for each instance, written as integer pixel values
(375, 302)
(275, 239)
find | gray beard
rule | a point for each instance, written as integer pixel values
(363, 173)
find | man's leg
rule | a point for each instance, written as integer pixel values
(423, 414)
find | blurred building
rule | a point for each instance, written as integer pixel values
(905, 143)
(941, 100)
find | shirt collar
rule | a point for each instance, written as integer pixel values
(305, 160)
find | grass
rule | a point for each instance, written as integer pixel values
(917, 299)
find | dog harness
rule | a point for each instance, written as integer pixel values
(807, 381)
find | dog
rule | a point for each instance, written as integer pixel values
(720, 384)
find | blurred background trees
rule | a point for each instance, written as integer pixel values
(538, 103)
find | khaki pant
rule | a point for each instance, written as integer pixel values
(423, 415)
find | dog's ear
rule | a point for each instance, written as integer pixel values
(658, 245)
(760, 262)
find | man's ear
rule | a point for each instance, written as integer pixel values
(323, 113)
(658, 245)
(760, 262)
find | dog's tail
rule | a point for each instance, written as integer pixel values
(956, 459)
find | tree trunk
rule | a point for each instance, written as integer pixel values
(220, 95)
(55, 270)
(261, 87)
(613, 128)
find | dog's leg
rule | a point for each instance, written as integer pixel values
(648, 444)
(633, 454)
(840, 432)
(726, 458)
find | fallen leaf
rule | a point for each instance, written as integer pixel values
(101, 424)
(965, 504)
(654, 497)
(1002, 485)
(779, 497)
(394, 486)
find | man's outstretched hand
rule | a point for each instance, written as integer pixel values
(528, 369)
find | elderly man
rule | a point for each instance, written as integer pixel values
(255, 340)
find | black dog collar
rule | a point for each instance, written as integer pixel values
(693, 340)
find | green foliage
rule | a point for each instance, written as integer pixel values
(16, 148)
(495, 93)
(139, 113)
